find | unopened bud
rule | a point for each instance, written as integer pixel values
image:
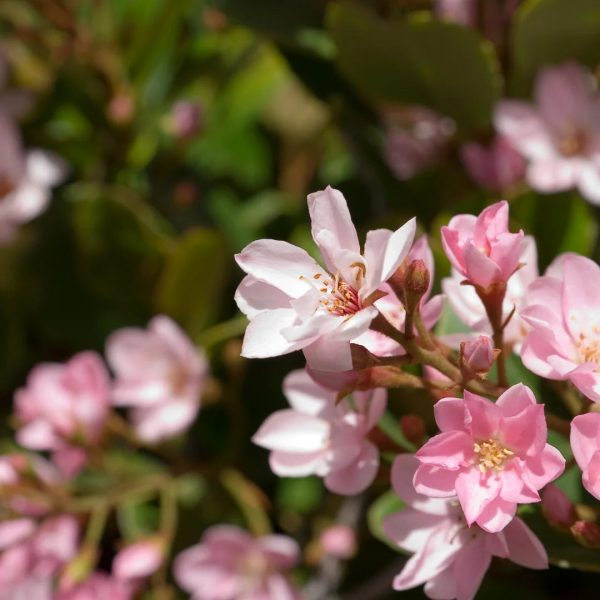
(413, 428)
(557, 508)
(477, 356)
(138, 560)
(410, 283)
(339, 541)
(586, 533)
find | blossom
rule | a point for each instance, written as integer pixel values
(317, 436)
(562, 311)
(495, 167)
(559, 134)
(557, 507)
(64, 406)
(338, 541)
(230, 564)
(160, 374)
(585, 443)
(99, 586)
(293, 303)
(481, 248)
(415, 140)
(25, 180)
(450, 557)
(469, 308)
(185, 119)
(32, 553)
(491, 456)
(138, 560)
(391, 307)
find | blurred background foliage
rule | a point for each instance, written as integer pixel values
(192, 128)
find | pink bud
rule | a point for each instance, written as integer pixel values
(557, 508)
(185, 119)
(586, 533)
(477, 356)
(339, 541)
(138, 560)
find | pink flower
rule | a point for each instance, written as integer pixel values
(585, 443)
(230, 564)
(99, 586)
(393, 310)
(492, 456)
(463, 12)
(293, 303)
(481, 248)
(63, 405)
(562, 311)
(160, 373)
(25, 180)
(317, 437)
(138, 560)
(495, 167)
(31, 553)
(339, 541)
(185, 119)
(450, 557)
(415, 141)
(477, 355)
(467, 305)
(559, 135)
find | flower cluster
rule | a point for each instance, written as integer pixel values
(366, 316)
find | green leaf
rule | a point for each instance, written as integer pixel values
(302, 494)
(450, 323)
(551, 31)
(193, 278)
(418, 60)
(137, 519)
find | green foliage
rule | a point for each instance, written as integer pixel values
(387, 504)
(418, 60)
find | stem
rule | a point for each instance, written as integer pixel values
(493, 300)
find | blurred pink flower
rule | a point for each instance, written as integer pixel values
(63, 406)
(450, 557)
(495, 167)
(562, 311)
(585, 443)
(293, 303)
(339, 541)
(415, 141)
(25, 180)
(492, 456)
(319, 437)
(138, 560)
(560, 134)
(230, 564)
(463, 12)
(160, 373)
(185, 119)
(393, 310)
(99, 586)
(482, 249)
(32, 553)
(468, 307)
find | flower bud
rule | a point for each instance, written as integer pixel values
(557, 508)
(586, 533)
(138, 560)
(185, 119)
(410, 283)
(477, 356)
(339, 541)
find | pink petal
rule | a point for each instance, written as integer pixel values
(471, 565)
(475, 491)
(297, 464)
(585, 430)
(253, 296)
(526, 432)
(329, 355)
(13, 531)
(331, 224)
(451, 450)
(450, 414)
(479, 268)
(497, 515)
(358, 475)
(263, 337)
(543, 468)
(305, 395)
(410, 529)
(291, 431)
(482, 417)
(591, 476)
(524, 547)
(282, 551)
(435, 481)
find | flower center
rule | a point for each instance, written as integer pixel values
(572, 144)
(491, 455)
(339, 297)
(588, 349)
